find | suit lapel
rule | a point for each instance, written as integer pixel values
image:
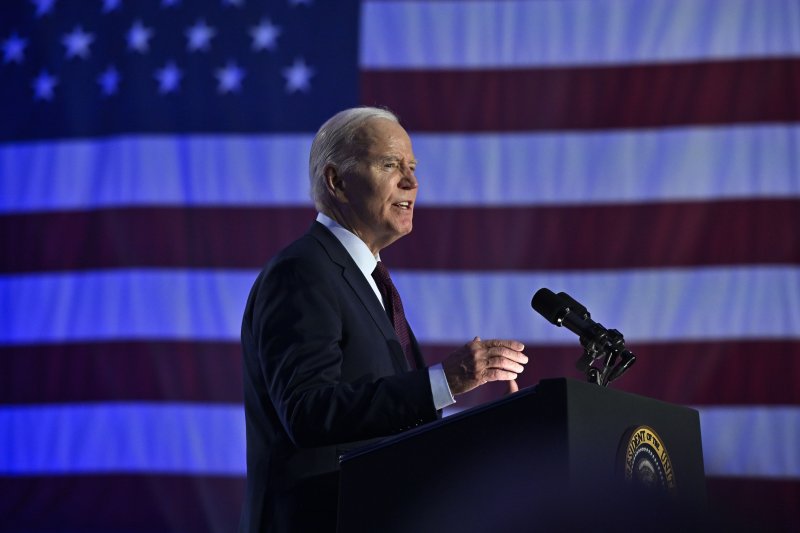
(355, 279)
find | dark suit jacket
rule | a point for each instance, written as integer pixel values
(323, 371)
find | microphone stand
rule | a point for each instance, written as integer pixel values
(608, 347)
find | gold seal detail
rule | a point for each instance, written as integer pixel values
(647, 462)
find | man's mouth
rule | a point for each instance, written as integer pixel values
(403, 205)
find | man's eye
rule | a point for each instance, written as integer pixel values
(390, 164)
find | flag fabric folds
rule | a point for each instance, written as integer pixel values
(641, 156)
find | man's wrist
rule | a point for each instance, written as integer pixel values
(442, 396)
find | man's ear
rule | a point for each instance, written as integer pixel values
(334, 183)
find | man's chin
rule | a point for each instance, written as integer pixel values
(398, 233)
(405, 229)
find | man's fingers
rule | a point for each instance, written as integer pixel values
(514, 345)
(503, 363)
(512, 386)
(502, 351)
(480, 361)
(495, 374)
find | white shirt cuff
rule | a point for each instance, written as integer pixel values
(442, 397)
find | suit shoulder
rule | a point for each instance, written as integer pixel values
(305, 252)
(306, 259)
(302, 266)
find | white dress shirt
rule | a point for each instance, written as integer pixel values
(366, 262)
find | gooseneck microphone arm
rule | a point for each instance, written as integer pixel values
(599, 344)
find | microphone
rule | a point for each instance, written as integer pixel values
(575, 305)
(564, 311)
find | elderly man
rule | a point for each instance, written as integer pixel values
(329, 358)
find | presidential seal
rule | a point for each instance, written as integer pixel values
(647, 462)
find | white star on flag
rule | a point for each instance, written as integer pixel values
(14, 49)
(235, 3)
(170, 3)
(264, 35)
(109, 81)
(77, 43)
(110, 5)
(230, 78)
(43, 7)
(199, 36)
(169, 78)
(298, 76)
(138, 37)
(43, 86)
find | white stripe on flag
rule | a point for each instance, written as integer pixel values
(129, 437)
(158, 170)
(751, 441)
(123, 304)
(210, 439)
(556, 33)
(645, 305)
(443, 307)
(696, 163)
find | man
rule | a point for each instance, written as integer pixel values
(329, 360)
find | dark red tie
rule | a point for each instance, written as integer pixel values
(394, 308)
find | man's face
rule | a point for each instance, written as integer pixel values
(381, 189)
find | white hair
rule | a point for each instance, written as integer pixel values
(334, 144)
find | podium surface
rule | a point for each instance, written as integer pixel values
(543, 453)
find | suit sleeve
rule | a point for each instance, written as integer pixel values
(297, 326)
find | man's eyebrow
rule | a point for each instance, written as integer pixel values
(397, 158)
(382, 160)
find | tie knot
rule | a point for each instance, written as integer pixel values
(381, 274)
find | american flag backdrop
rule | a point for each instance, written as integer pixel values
(643, 156)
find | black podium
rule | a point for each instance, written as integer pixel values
(561, 455)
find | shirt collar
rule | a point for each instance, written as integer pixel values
(357, 248)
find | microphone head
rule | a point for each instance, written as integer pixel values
(575, 306)
(549, 305)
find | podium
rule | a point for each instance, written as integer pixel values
(561, 455)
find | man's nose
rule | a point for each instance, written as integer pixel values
(409, 180)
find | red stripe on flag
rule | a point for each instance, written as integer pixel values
(119, 502)
(694, 373)
(753, 504)
(211, 237)
(744, 232)
(602, 236)
(118, 371)
(688, 373)
(630, 96)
